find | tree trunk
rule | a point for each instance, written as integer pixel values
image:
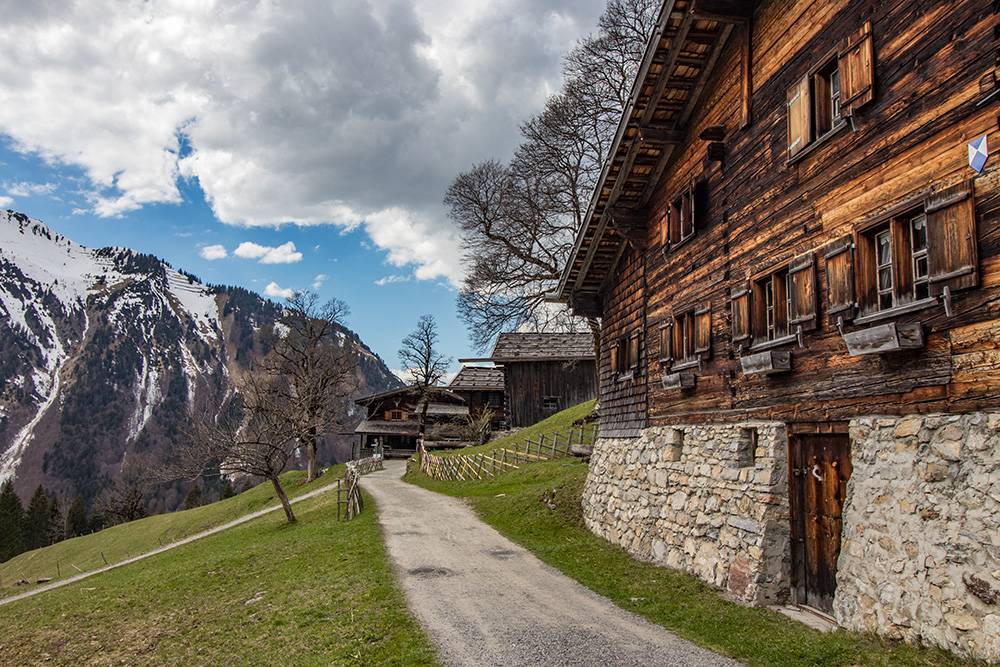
(312, 470)
(287, 506)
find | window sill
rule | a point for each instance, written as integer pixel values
(890, 313)
(771, 344)
(686, 364)
(625, 377)
(818, 141)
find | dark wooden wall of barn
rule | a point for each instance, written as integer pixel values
(930, 61)
(539, 389)
(624, 395)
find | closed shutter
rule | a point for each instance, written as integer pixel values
(840, 297)
(703, 329)
(802, 293)
(951, 239)
(856, 69)
(799, 118)
(739, 302)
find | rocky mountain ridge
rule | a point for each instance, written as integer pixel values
(104, 353)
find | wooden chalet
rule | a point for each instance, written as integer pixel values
(393, 421)
(545, 373)
(793, 250)
(483, 389)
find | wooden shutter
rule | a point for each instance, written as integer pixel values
(667, 340)
(633, 352)
(799, 118)
(840, 297)
(951, 239)
(739, 302)
(703, 329)
(802, 293)
(856, 64)
(615, 351)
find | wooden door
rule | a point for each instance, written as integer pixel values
(819, 470)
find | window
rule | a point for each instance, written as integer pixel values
(901, 260)
(685, 338)
(774, 308)
(819, 102)
(550, 404)
(683, 216)
(396, 415)
(625, 356)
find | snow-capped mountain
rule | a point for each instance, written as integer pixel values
(104, 352)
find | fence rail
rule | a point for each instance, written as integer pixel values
(490, 464)
(350, 486)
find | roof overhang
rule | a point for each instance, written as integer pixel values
(680, 57)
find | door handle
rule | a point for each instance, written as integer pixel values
(815, 472)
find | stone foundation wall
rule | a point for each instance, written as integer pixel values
(920, 558)
(711, 500)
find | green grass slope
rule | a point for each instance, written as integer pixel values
(317, 592)
(518, 502)
(562, 421)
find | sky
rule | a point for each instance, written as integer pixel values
(277, 145)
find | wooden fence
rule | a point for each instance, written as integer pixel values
(350, 486)
(492, 463)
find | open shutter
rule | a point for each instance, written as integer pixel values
(799, 118)
(703, 329)
(951, 239)
(739, 301)
(615, 351)
(840, 297)
(856, 70)
(802, 293)
(667, 340)
(633, 352)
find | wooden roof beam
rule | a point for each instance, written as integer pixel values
(652, 135)
(727, 11)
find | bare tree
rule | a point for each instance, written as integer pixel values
(426, 365)
(519, 221)
(318, 370)
(250, 435)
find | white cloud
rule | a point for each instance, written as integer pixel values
(275, 291)
(283, 254)
(342, 113)
(213, 252)
(29, 189)
(6, 201)
(388, 280)
(318, 281)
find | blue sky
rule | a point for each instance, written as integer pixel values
(216, 134)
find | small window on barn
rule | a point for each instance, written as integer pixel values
(396, 415)
(683, 216)
(903, 261)
(624, 357)
(821, 101)
(550, 404)
(776, 307)
(689, 336)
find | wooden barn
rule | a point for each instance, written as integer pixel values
(482, 388)
(793, 250)
(393, 421)
(545, 373)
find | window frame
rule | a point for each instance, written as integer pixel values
(812, 116)
(689, 333)
(793, 305)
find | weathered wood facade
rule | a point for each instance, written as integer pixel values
(788, 238)
(393, 421)
(483, 389)
(544, 373)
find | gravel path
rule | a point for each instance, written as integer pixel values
(486, 601)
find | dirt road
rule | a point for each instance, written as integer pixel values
(486, 601)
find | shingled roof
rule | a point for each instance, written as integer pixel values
(478, 378)
(513, 347)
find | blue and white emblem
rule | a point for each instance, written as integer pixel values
(978, 152)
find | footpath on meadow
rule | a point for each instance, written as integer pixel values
(165, 547)
(485, 600)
